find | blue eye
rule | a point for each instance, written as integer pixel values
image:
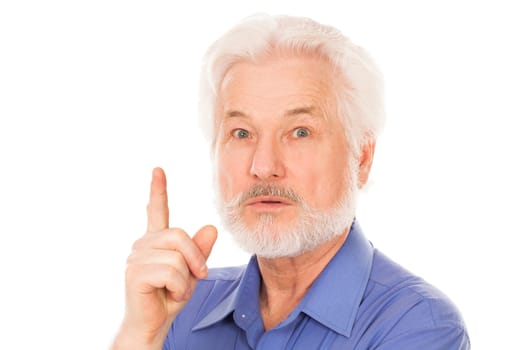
(301, 132)
(241, 133)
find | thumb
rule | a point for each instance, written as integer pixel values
(205, 238)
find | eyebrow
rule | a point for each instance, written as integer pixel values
(294, 111)
(234, 113)
(300, 110)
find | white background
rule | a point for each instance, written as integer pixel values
(94, 94)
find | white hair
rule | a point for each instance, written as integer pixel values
(360, 102)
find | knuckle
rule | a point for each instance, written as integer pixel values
(178, 233)
(171, 271)
(175, 238)
(135, 257)
(141, 242)
(177, 288)
(175, 279)
(131, 260)
(179, 266)
(137, 244)
(132, 272)
(178, 259)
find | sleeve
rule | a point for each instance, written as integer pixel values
(439, 338)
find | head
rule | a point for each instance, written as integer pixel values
(291, 109)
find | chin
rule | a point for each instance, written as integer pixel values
(269, 239)
(287, 234)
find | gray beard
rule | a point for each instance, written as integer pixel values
(270, 239)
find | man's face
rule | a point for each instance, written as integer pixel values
(278, 135)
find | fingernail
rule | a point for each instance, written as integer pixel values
(204, 270)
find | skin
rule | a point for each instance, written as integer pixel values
(162, 271)
(278, 125)
(294, 140)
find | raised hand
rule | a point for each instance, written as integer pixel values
(162, 273)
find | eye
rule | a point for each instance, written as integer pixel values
(240, 133)
(301, 132)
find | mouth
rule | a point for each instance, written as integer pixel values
(268, 201)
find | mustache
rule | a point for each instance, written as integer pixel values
(267, 190)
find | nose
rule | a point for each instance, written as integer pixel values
(267, 162)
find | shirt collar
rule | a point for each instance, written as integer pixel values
(335, 296)
(333, 299)
(244, 299)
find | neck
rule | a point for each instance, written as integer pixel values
(285, 281)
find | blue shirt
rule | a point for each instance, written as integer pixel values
(361, 300)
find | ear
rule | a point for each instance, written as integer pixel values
(365, 161)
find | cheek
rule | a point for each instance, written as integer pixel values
(223, 178)
(321, 175)
(230, 173)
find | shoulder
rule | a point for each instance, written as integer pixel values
(406, 308)
(398, 285)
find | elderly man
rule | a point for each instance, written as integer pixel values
(292, 109)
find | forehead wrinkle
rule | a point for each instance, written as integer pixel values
(309, 110)
(314, 97)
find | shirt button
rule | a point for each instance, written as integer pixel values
(243, 316)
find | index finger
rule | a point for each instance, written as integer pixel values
(158, 211)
